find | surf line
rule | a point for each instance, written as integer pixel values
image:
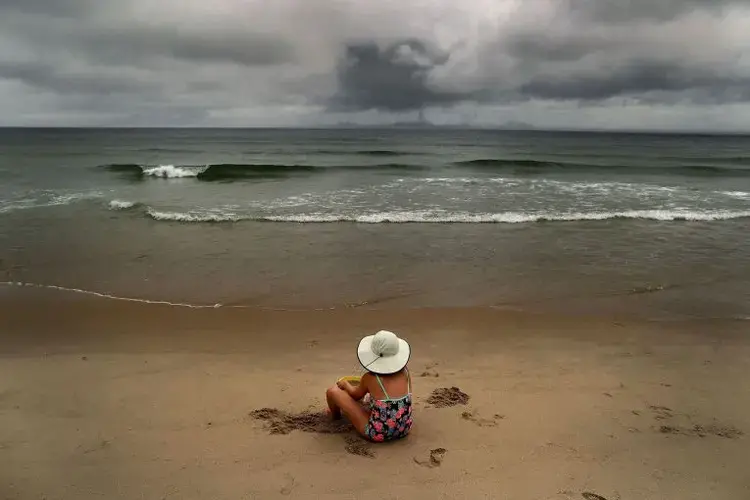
(103, 295)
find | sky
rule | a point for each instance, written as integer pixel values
(590, 64)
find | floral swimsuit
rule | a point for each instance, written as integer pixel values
(389, 418)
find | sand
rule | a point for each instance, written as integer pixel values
(103, 399)
(443, 397)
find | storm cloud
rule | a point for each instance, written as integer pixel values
(659, 10)
(640, 78)
(286, 63)
(391, 77)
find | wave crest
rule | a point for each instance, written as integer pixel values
(511, 217)
(192, 216)
(170, 171)
(236, 171)
(122, 204)
(443, 217)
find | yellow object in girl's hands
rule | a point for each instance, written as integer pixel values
(352, 379)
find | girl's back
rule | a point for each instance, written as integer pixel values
(396, 385)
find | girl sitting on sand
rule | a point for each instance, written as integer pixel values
(388, 382)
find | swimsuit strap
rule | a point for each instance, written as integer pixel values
(381, 386)
(408, 378)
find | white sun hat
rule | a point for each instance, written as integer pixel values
(383, 353)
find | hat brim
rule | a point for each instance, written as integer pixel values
(382, 365)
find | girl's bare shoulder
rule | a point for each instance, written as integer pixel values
(368, 379)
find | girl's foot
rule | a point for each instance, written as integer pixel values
(333, 415)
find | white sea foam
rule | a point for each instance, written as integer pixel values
(46, 199)
(107, 295)
(12, 206)
(103, 295)
(193, 216)
(314, 218)
(574, 188)
(447, 217)
(121, 204)
(67, 198)
(742, 195)
(171, 171)
(520, 217)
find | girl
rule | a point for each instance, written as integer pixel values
(388, 382)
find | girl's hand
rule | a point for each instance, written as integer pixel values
(343, 385)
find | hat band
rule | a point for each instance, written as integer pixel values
(377, 357)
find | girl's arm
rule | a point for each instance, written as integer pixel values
(356, 392)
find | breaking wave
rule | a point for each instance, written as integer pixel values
(122, 205)
(193, 216)
(233, 171)
(444, 217)
(170, 172)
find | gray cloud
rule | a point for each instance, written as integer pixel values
(639, 78)
(253, 62)
(248, 49)
(615, 11)
(106, 40)
(393, 77)
(46, 7)
(534, 46)
(50, 78)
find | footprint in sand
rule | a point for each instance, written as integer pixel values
(359, 447)
(592, 496)
(435, 460)
(482, 422)
(669, 424)
(287, 488)
(429, 371)
(697, 430)
(661, 412)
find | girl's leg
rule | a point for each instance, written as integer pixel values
(339, 401)
(333, 408)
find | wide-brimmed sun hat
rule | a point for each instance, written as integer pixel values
(383, 353)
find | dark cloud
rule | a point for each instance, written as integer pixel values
(48, 77)
(637, 78)
(393, 78)
(617, 11)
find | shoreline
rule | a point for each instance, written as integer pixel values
(125, 400)
(20, 308)
(15, 290)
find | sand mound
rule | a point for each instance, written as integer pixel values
(444, 397)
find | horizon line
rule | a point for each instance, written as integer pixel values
(410, 127)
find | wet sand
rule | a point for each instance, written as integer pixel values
(106, 399)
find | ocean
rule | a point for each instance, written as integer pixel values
(644, 225)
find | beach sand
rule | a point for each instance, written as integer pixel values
(108, 399)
